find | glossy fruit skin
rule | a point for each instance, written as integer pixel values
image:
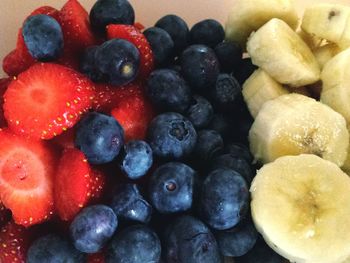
(189, 240)
(135, 244)
(229, 55)
(92, 228)
(53, 248)
(224, 199)
(239, 150)
(118, 60)
(200, 67)
(129, 204)
(136, 159)
(209, 145)
(99, 137)
(168, 91)
(172, 188)
(161, 43)
(200, 112)
(105, 12)
(88, 64)
(171, 136)
(207, 32)
(177, 29)
(43, 37)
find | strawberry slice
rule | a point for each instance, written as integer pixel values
(74, 20)
(96, 258)
(15, 241)
(76, 184)
(46, 10)
(46, 100)
(132, 34)
(139, 26)
(5, 215)
(65, 140)
(3, 87)
(26, 172)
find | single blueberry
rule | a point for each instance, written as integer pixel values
(236, 163)
(208, 32)
(224, 199)
(229, 55)
(200, 67)
(51, 249)
(239, 150)
(244, 70)
(135, 244)
(105, 12)
(221, 124)
(92, 228)
(118, 60)
(161, 43)
(99, 137)
(129, 205)
(189, 240)
(225, 93)
(177, 29)
(88, 66)
(209, 144)
(172, 188)
(171, 136)
(168, 90)
(200, 112)
(238, 241)
(43, 37)
(136, 159)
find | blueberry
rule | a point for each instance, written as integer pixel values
(161, 43)
(229, 55)
(92, 228)
(51, 249)
(172, 188)
(200, 67)
(209, 144)
(43, 37)
(260, 253)
(208, 32)
(177, 29)
(225, 93)
(224, 199)
(239, 150)
(99, 137)
(221, 124)
(105, 12)
(245, 69)
(136, 159)
(189, 240)
(168, 90)
(118, 61)
(88, 66)
(135, 244)
(129, 205)
(171, 136)
(200, 112)
(235, 163)
(238, 241)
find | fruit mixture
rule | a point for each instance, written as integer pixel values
(209, 144)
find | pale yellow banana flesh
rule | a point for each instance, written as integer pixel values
(325, 53)
(300, 204)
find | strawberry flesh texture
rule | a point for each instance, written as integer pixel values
(3, 86)
(76, 184)
(26, 176)
(46, 10)
(46, 100)
(132, 34)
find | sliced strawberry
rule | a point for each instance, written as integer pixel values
(3, 87)
(132, 34)
(134, 113)
(5, 215)
(74, 20)
(96, 258)
(139, 26)
(70, 60)
(65, 140)
(46, 100)
(14, 243)
(76, 184)
(46, 10)
(26, 174)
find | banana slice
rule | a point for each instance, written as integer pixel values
(278, 50)
(293, 124)
(326, 53)
(336, 84)
(249, 15)
(328, 21)
(259, 88)
(300, 204)
(313, 42)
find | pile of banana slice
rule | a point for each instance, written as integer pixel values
(301, 195)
